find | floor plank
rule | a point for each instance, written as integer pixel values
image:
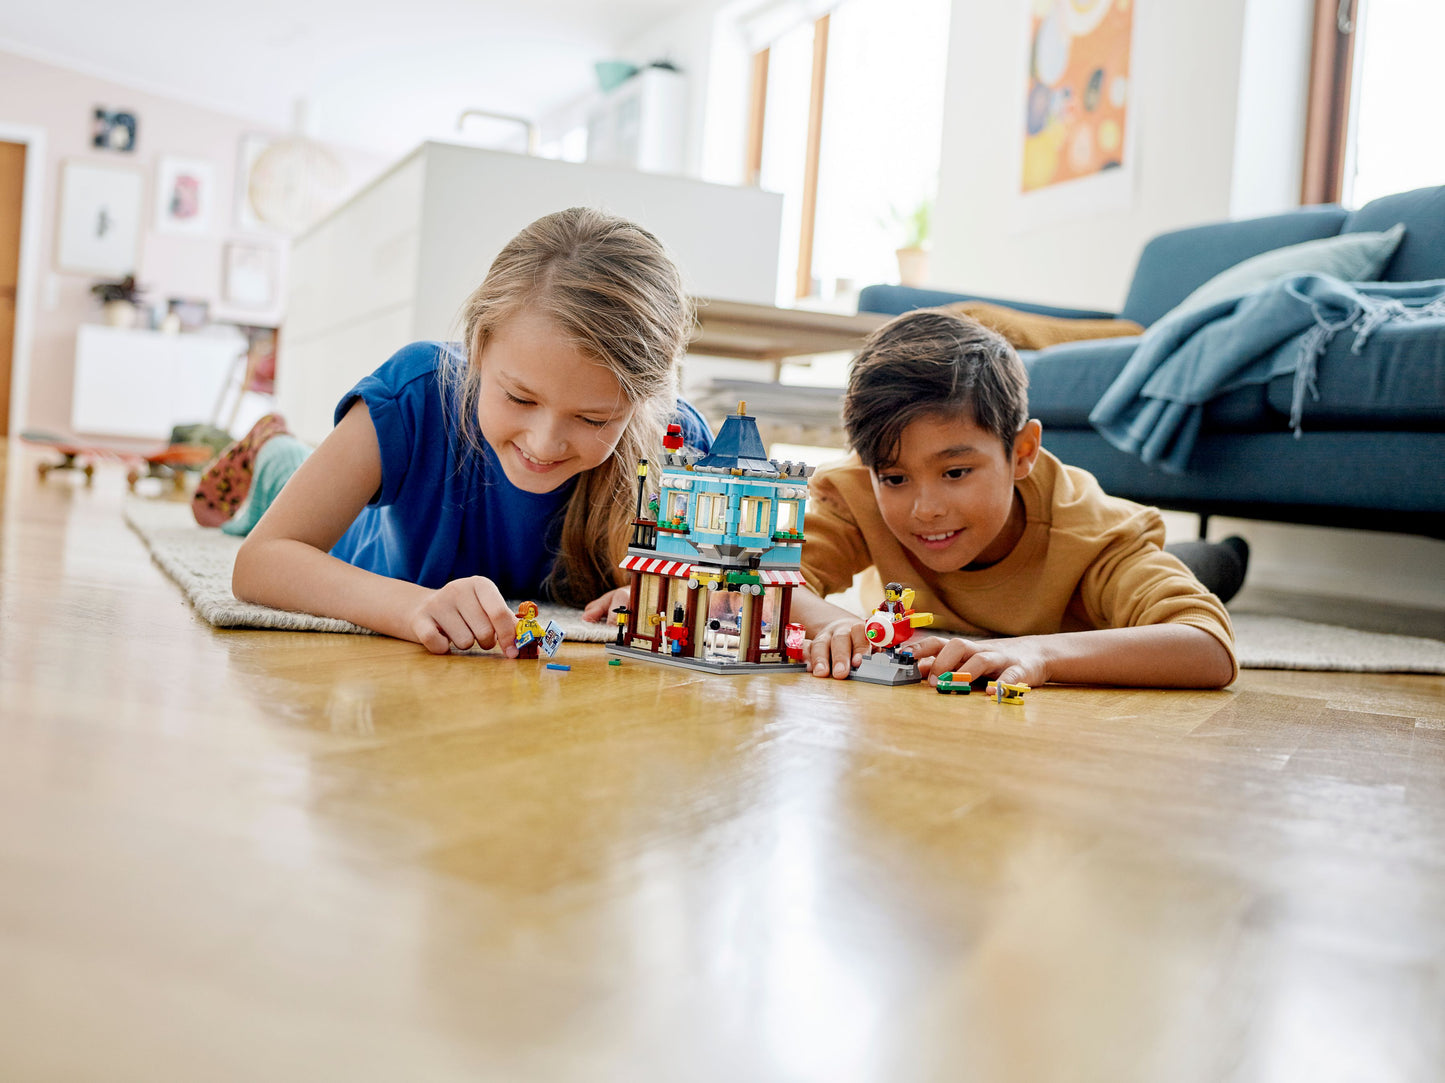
(242, 855)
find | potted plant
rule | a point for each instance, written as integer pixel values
(118, 300)
(917, 227)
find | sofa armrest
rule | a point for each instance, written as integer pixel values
(896, 300)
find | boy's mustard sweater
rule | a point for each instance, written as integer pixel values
(1085, 560)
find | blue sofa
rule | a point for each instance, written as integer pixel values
(1372, 451)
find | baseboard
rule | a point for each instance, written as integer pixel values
(1399, 569)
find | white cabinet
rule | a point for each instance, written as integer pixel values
(641, 124)
(142, 383)
(395, 262)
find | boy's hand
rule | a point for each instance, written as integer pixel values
(837, 648)
(466, 613)
(1014, 661)
(599, 610)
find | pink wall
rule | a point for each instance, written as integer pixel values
(60, 103)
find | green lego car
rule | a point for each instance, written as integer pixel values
(947, 685)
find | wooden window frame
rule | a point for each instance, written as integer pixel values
(753, 149)
(1327, 123)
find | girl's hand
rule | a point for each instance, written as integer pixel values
(599, 610)
(463, 614)
(1013, 661)
(837, 648)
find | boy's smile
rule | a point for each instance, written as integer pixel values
(949, 496)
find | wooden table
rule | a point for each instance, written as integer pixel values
(261, 855)
(751, 332)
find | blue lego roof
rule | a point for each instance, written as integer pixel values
(739, 446)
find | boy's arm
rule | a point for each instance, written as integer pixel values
(286, 560)
(835, 637)
(1147, 656)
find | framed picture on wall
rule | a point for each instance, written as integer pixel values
(98, 225)
(113, 129)
(185, 190)
(250, 277)
(252, 147)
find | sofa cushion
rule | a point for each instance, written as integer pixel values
(1354, 257)
(1421, 255)
(1173, 264)
(1395, 382)
(1066, 381)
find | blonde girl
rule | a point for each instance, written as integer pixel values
(504, 466)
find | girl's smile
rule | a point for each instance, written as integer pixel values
(547, 409)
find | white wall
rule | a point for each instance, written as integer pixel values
(1274, 74)
(58, 102)
(1217, 90)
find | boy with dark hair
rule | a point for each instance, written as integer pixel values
(950, 492)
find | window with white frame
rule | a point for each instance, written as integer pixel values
(847, 123)
(788, 515)
(1395, 105)
(754, 515)
(712, 512)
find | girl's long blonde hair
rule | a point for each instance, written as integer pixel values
(617, 296)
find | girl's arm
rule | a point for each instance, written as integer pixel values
(1147, 656)
(286, 562)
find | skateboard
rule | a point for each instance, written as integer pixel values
(141, 460)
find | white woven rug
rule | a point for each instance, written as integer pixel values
(200, 561)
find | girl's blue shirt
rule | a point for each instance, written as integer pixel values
(443, 511)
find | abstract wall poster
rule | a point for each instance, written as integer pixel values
(185, 190)
(1077, 102)
(98, 225)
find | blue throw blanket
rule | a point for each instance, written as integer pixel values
(1155, 406)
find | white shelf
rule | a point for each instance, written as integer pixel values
(143, 383)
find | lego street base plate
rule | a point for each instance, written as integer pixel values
(716, 665)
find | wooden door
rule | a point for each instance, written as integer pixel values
(12, 188)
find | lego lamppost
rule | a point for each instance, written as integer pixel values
(641, 482)
(644, 536)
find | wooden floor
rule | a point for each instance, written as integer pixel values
(281, 856)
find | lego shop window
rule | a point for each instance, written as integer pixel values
(754, 515)
(769, 604)
(712, 512)
(787, 516)
(676, 504)
(647, 605)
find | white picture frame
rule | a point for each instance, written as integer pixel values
(252, 146)
(185, 192)
(99, 219)
(250, 275)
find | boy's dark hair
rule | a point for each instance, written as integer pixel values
(929, 363)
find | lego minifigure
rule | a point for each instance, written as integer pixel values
(677, 631)
(890, 626)
(529, 630)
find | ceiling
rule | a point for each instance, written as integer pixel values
(374, 75)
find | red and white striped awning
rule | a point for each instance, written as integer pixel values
(781, 579)
(678, 569)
